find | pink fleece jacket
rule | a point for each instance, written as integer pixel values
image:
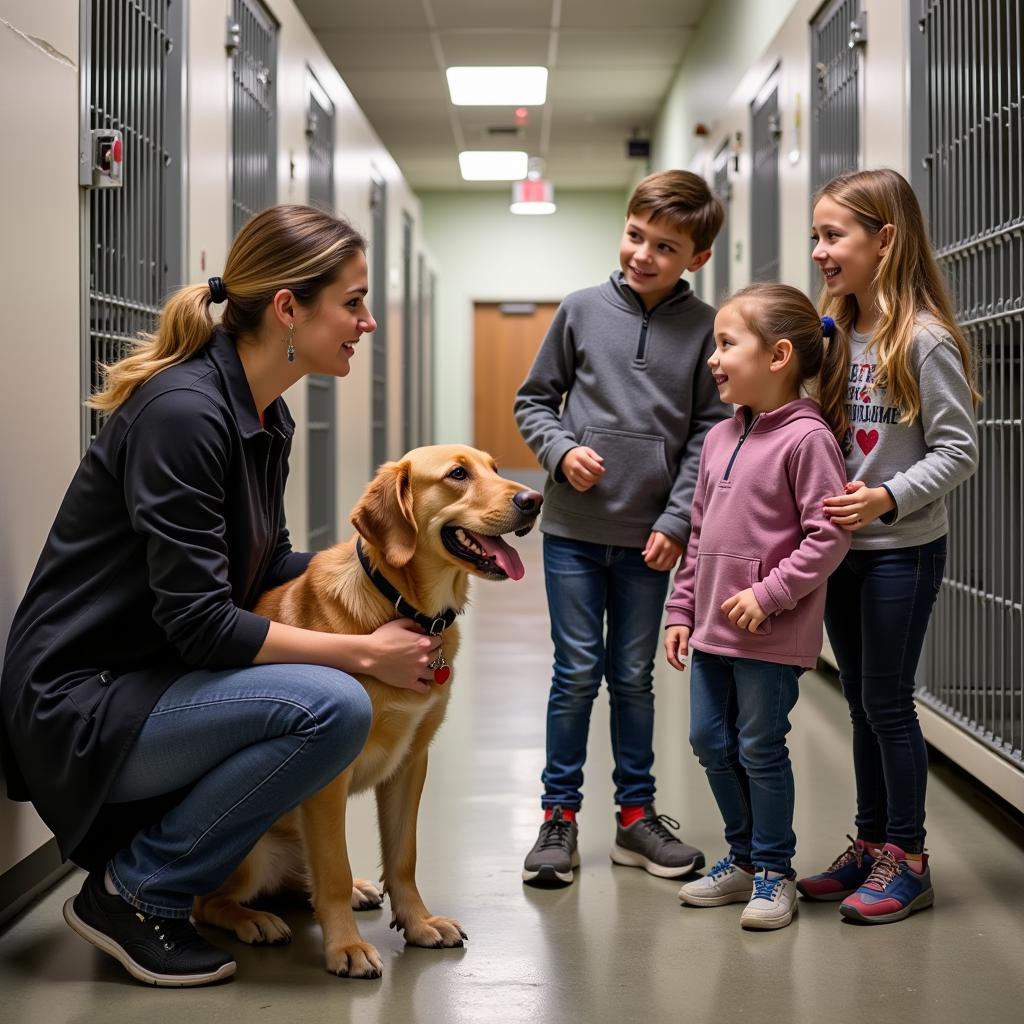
(757, 522)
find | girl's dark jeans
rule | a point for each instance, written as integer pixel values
(877, 611)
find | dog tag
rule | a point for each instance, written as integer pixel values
(441, 669)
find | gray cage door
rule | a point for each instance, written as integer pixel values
(322, 451)
(425, 378)
(321, 425)
(408, 341)
(252, 44)
(132, 82)
(320, 135)
(721, 187)
(379, 367)
(835, 92)
(765, 133)
(967, 94)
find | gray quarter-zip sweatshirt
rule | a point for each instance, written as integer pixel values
(633, 385)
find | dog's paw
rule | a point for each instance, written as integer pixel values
(258, 927)
(366, 895)
(358, 960)
(432, 932)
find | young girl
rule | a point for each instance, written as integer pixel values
(904, 394)
(143, 705)
(752, 588)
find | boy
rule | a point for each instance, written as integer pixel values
(629, 359)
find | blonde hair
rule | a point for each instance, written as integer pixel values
(908, 285)
(776, 311)
(295, 247)
(684, 200)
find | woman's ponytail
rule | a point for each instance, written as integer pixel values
(185, 327)
(300, 248)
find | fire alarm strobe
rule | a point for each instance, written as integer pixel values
(101, 160)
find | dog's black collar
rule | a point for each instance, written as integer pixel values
(434, 626)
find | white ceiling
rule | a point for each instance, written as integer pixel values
(610, 66)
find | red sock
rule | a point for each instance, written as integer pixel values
(568, 814)
(630, 813)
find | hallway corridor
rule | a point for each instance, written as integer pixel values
(616, 946)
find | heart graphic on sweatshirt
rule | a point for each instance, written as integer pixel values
(867, 439)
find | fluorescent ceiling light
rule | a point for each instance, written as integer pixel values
(498, 87)
(492, 165)
(534, 208)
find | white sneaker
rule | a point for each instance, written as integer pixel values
(724, 883)
(772, 904)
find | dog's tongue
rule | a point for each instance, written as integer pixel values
(504, 554)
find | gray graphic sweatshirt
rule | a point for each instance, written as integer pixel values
(918, 464)
(634, 386)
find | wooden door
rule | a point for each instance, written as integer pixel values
(506, 339)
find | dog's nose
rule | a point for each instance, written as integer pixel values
(528, 502)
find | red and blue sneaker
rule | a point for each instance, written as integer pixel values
(845, 875)
(892, 892)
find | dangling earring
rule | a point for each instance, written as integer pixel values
(291, 343)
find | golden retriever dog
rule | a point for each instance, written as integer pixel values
(427, 523)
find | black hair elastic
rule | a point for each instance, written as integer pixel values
(828, 326)
(218, 293)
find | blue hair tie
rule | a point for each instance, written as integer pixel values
(828, 326)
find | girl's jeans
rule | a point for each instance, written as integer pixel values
(585, 582)
(252, 743)
(739, 718)
(876, 613)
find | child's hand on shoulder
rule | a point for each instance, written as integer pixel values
(582, 467)
(743, 611)
(677, 646)
(858, 506)
(661, 552)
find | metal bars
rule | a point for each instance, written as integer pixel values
(322, 459)
(379, 367)
(968, 89)
(320, 134)
(408, 346)
(835, 93)
(253, 128)
(321, 409)
(721, 187)
(131, 83)
(765, 133)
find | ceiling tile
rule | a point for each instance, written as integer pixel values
(649, 14)
(371, 50)
(504, 49)
(618, 49)
(492, 14)
(332, 14)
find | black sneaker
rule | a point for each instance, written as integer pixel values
(648, 844)
(554, 855)
(156, 950)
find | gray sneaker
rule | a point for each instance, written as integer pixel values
(724, 883)
(554, 855)
(648, 844)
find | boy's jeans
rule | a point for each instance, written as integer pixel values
(253, 743)
(739, 718)
(877, 612)
(585, 582)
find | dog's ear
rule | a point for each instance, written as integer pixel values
(383, 515)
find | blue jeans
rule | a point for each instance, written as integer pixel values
(739, 718)
(876, 613)
(585, 582)
(252, 744)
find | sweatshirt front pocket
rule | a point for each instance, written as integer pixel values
(719, 577)
(636, 482)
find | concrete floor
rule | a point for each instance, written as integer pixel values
(616, 946)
